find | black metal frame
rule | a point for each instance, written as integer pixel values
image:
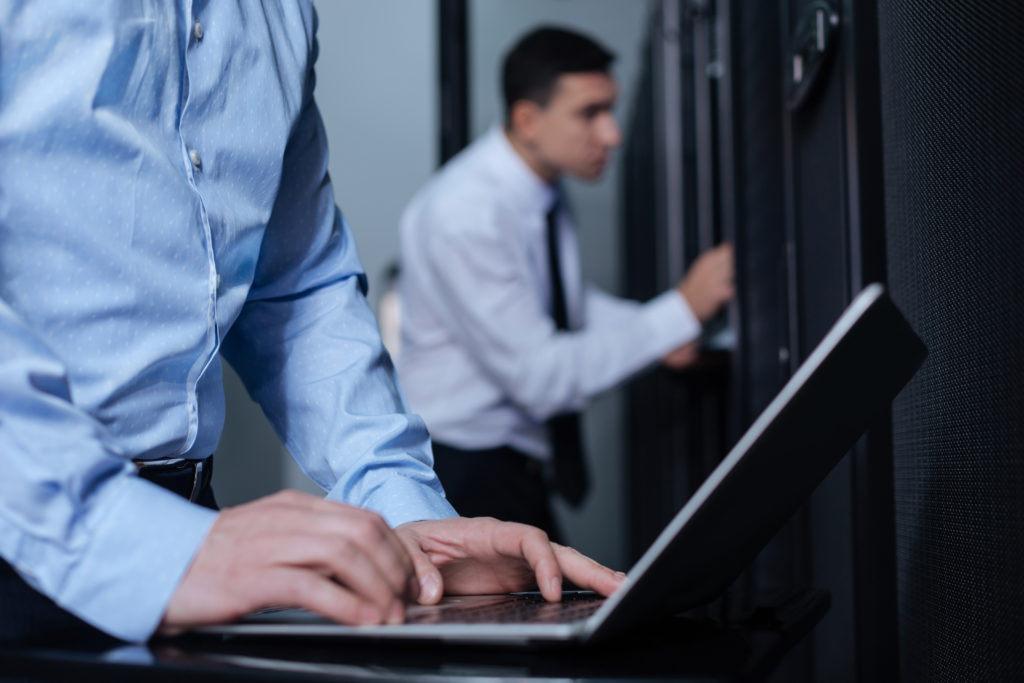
(874, 540)
(454, 77)
(870, 479)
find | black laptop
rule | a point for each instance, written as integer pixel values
(852, 376)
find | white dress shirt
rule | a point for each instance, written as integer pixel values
(481, 359)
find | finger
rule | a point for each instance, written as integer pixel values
(548, 573)
(687, 357)
(333, 509)
(586, 573)
(727, 261)
(304, 588)
(343, 560)
(429, 585)
(387, 551)
(532, 545)
(363, 527)
(254, 588)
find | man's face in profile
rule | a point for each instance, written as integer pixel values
(576, 131)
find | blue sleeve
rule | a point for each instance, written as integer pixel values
(75, 520)
(308, 349)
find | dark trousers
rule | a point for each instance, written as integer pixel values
(26, 614)
(496, 482)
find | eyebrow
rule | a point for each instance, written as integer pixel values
(597, 107)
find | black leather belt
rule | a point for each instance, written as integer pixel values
(182, 476)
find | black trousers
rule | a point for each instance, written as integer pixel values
(496, 482)
(27, 615)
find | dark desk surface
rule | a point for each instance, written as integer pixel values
(683, 648)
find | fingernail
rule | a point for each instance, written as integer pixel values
(556, 584)
(368, 614)
(429, 587)
(397, 613)
(621, 576)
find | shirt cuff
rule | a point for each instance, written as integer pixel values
(403, 499)
(138, 554)
(670, 321)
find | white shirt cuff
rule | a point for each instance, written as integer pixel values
(670, 321)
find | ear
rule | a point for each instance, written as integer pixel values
(524, 119)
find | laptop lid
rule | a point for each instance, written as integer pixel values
(850, 377)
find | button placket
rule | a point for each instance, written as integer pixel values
(193, 154)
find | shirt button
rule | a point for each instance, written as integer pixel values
(218, 282)
(194, 156)
(197, 30)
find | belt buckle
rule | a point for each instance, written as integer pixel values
(172, 464)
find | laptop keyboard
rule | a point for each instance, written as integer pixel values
(508, 609)
(513, 608)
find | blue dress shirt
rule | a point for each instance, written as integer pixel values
(164, 198)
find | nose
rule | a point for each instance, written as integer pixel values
(610, 133)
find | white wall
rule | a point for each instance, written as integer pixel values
(377, 91)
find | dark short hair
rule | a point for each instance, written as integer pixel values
(534, 64)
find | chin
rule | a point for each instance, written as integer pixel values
(590, 173)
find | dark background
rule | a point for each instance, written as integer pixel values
(900, 163)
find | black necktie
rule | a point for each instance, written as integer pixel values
(570, 473)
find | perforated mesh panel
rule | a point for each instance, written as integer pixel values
(953, 116)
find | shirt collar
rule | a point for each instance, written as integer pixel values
(532, 191)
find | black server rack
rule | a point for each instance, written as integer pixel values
(780, 103)
(851, 142)
(952, 90)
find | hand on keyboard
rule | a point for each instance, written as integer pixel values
(481, 555)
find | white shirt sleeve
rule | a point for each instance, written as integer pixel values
(670, 317)
(492, 307)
